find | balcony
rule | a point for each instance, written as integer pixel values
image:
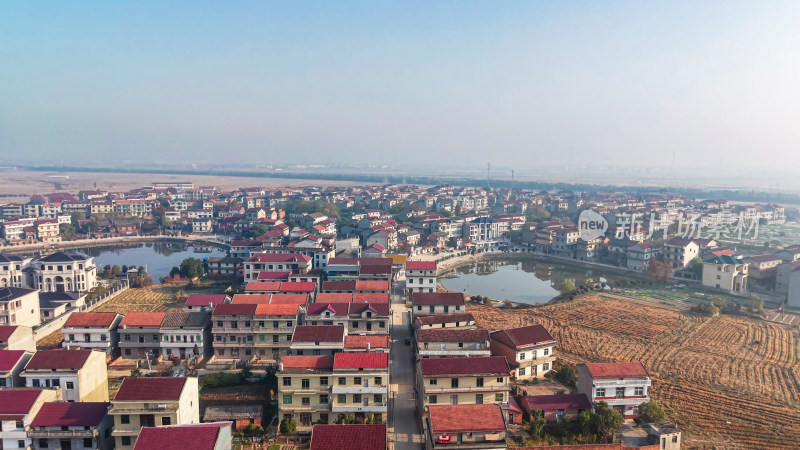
(270, 330)
(217, 330)
(379, 389)
(146, 409)
(455, 352)
(302, 390)
(454, 390)
(373, 408)
(56, 434)
(304, 408)
(620, 383)
(232, 344)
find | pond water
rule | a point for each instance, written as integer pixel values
(158, 257)
(531, 282)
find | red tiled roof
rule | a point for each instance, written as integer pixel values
(277, 310)
(179, 437)
(318, 333)
(617, 370)
(381, 309)
(555, 402)
(150, 389)
(361, 360)
(58, 359)
(523, 336)
(289, 299)
(90, 319)
(318, 362)
(6, 331)
(452, 335)
(205, 299)
(143, 319)
(466, 418)
(232, 309)
(61, 414)
(298, 286)
(371, 297)
(338, 309)
(465, 366)
(420, 265)
(437, 298)
(10, 358)
(265, 286)
(343, 285)
(375, 341)
(333, 297)
(251, 299)
(273, 276)
(18, 400)
(348, 437)
(445, 318)
(372, 285)
(278, 258)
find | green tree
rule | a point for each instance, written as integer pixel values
(754, 303)
(77, 217)
(606, 420)
(257, 230)
(537, 423)
(567, 286)
(651, 412)
(288, 426)
(91, 226)
(696, 266)
(567, 375)
(136, 373)
(174, 271)
(116, 269)
(585, 423)
(245, 371)
(192, 267)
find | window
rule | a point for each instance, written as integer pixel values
(166, 421)
(546, 351)
(675, 439)
(454, 382)
(500, 379)
(342, 381)
(342, 398)
(126, 440)
(521, 371)
(42, 443)
(287, 399)
(70, 385)
(433, 382)
(275, 338)
(378, 381)
(356, 398)
(600, 392)
(498, 397)
(432, 399)
(479, 381)
(323, 418)
(382, 324)
(305, 401)
(21, 443)
(638, 391)
(357, 381)
(323, 399)
(478, 399)
(19, 425)
(545, 366)
(71, 337)
(127, 337)
(124, 418)
(522, 356)
(87, 442)
(305, 383)
(2, 382)
(323, 381)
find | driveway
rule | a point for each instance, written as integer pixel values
(404, 425)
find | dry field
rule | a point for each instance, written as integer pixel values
(730, 382)
(156, 298)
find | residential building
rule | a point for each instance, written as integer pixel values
(273, 326)
(787, 281)
(18, 407)
(622, 385)
(68, 426)
(185, 334)
(639, 255)
(465, 427)
(304, 390)
(92, 331)
(667, 434)
(12, 362)
(12, 273)
(463, 380)
(556, 407)
(19, 306)
(443, 342)
(356, 317)
(80, 375)
(529, 349)
(367, 343)
(270, 262)
(204, 436)
(349, 436)
(462, 320)
(224, 267)
(317, 340)
(61, 271)
(151, 402)
(424, 303)
(726, 273)
(361, 389)
(232, 327)
(205, 302)
(16, 337)
(55, 304)
(139, 335)
(679, 252)
(421, 276)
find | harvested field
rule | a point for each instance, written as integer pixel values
(156, 298)
(706, 371)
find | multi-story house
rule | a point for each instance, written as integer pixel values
(12, 362)
(232, 327)
(465, 427)
(184, 334)
(361, 385)
(60, 271)
(679, 252)
(47, 230)
(304, 389)
(92, 331)
(270, 262)
(623, 385)
(425, 303)
(14, 337)
(787, 281)
(317, 340)
(273, 326)
(439, 343)
(727, 273)
(639, 255)
(224, 267)
(463, 380)
(139, 335)
(367, 343)
(205, 302)
(368, 436)
(152, 402)
(762, 268)
(12, 273)
(200, 436)
(19, 306)
(565, 242)
(18, 407)
(80, 375)
(77, 425)
(356, 317)
(14, 231)
(421, 276)
(438, 321)
(531, 348)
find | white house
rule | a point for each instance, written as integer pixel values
(92, 331)
(623, 385)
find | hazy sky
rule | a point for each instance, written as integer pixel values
(517, 83)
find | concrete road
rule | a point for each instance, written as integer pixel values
(404, 426)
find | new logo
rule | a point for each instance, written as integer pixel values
(591, 225)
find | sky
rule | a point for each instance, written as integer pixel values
(420, 83)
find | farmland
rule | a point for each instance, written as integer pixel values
(156, 298)
(729, 382)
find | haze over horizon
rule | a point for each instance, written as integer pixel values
(452, 83)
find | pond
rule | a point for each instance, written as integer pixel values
(158, 257)
(531, 282)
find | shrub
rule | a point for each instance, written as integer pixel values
(651, 412)
(220, 379)
(288, 426)
(567, 375)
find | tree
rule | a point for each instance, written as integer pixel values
(142, 280)
(66, 229)
(91, 226)
(116, 269)
(136, 373)
(754, 303)
(192, 267)
(288, 426)
(245, 371)
(77, 217)
(567, 286)
(174, 271)
(257, 230)
(585, 423)
(567, 375)
(606, 420)
(696, 266)
(537, 423)
(124, 268)
(651, 412)
(658, 270)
